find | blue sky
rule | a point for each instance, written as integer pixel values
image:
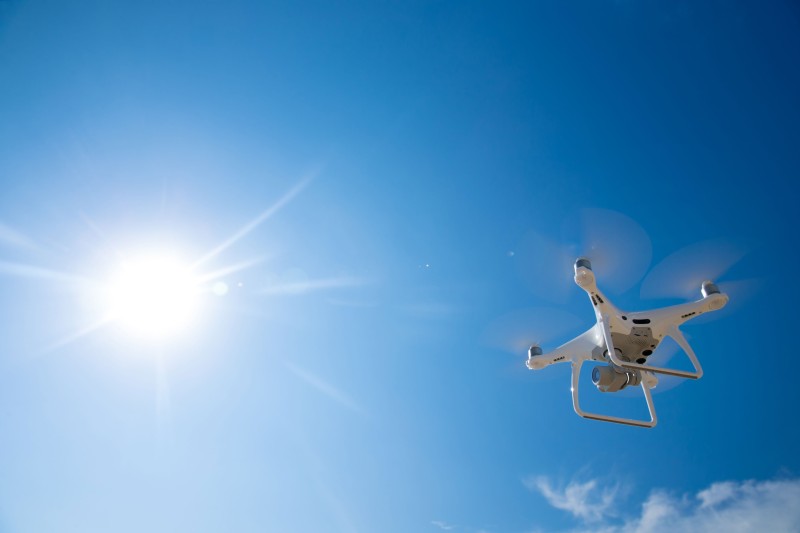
(377, 177)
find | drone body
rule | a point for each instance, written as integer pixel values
(624, 341)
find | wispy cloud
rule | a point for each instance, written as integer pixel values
(325, 388)
(730, 506)
(717, 493)
(587, 500)
(443, 525)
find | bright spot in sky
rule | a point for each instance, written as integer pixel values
(220, 288)
(154, 296)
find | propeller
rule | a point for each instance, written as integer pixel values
(516, 331)
(681, 275)
(618, 247)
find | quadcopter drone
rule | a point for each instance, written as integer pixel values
(624, 341)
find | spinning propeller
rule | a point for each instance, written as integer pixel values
(680, 274)
(618, 247)
(620, 251)
(515, 332)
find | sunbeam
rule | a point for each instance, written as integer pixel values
(253, 224)
(163, 403)
(325, 388)
(298, 287)
(28, 271)
(232, 269)
(12, 237)
(72, 337)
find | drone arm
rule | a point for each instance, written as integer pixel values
(541, 361)
(576, 372)
(578, 348)
(678, 314)
(673, 332)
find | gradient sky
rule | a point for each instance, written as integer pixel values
(386, 177)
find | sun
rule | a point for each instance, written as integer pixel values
(154, 296)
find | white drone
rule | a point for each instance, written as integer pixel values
(625, 341)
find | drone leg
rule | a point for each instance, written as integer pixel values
(675, 333)
(576, 372)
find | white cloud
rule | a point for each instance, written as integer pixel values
(730, 506)
(586, 501)
(717, 493)
(442, 525)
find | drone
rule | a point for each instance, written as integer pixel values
(624, 341)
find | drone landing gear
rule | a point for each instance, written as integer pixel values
(576, 373)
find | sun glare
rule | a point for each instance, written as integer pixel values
(154, 296)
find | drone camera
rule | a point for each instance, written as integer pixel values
(608, 379)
